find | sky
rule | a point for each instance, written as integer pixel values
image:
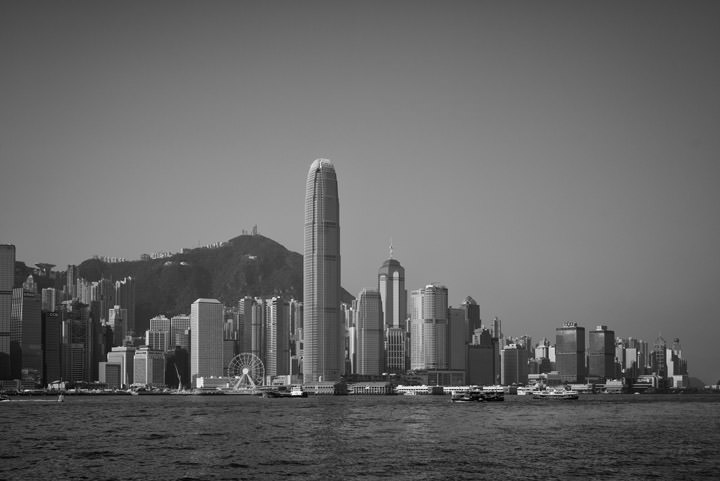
(556, 161)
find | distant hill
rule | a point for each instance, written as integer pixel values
(248, 265)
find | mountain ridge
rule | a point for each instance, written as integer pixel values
(246, 265)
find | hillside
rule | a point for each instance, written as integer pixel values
(248, 265)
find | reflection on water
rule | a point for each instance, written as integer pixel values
(402, 437)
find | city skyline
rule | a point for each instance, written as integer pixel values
(555, 162)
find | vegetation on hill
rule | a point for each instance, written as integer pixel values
(248, 265)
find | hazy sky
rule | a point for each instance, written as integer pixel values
(554, 160)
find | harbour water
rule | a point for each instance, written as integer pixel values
(359, 437)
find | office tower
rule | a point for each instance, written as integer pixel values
(257, 328)
(78, 345)
(245, 306)
(26, 333)
(347, 314)
(149, 367)
(370, 344)
(497, 330)
(295, 308)
(391, 284)
(124, 356)
(158, 336)
(206, 352)
(49, 299)
(109, 374)
(277, 337)
(658, 360)
(323, 356)
(482, 359)
(117, 320)
(71, 279)
(429, 328)
(513, 365)
(601, 353)
(7, 282)
(179, 326)
(52, 346)
(157, 340)
(103, 291)
(125, 298)
(160, 323)
(472, 316)
(458, 338)
(570, 352)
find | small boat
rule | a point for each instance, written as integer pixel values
(61, 398)
(4, 398)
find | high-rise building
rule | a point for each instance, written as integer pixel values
(513, 365)
(391, 284)
(179, 326)
(26, 334)
(482, 359)
(570, 352)
(157, 340)
(124, 356)
(370, 345)
(103, 291)
(125, 298)
(71, 279)
(458, 338)
(7, 282)
(52, 346)
(117, 320)
(149, 367)
(277, 337)
(49, 299)
(245, 309)
(257, 328)
(78, 343)
(601, 353)
(206, 326)
(324, 336)
(429, 328)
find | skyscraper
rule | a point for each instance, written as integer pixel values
(570, 352)
(391, 284)
(429, 328)
(125, 298)
(7, 281)
(370, 345)
(601, 353)
(323, 355)
(206, 327)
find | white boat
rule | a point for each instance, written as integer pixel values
(298, 391)
(560, 394)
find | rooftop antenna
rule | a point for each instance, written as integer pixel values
(391, 249)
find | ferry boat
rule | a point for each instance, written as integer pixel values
(559, 394)
(467, 396)
(298, 391)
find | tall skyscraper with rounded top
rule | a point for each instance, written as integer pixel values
(323, 355)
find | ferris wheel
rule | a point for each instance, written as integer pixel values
(248, 371)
